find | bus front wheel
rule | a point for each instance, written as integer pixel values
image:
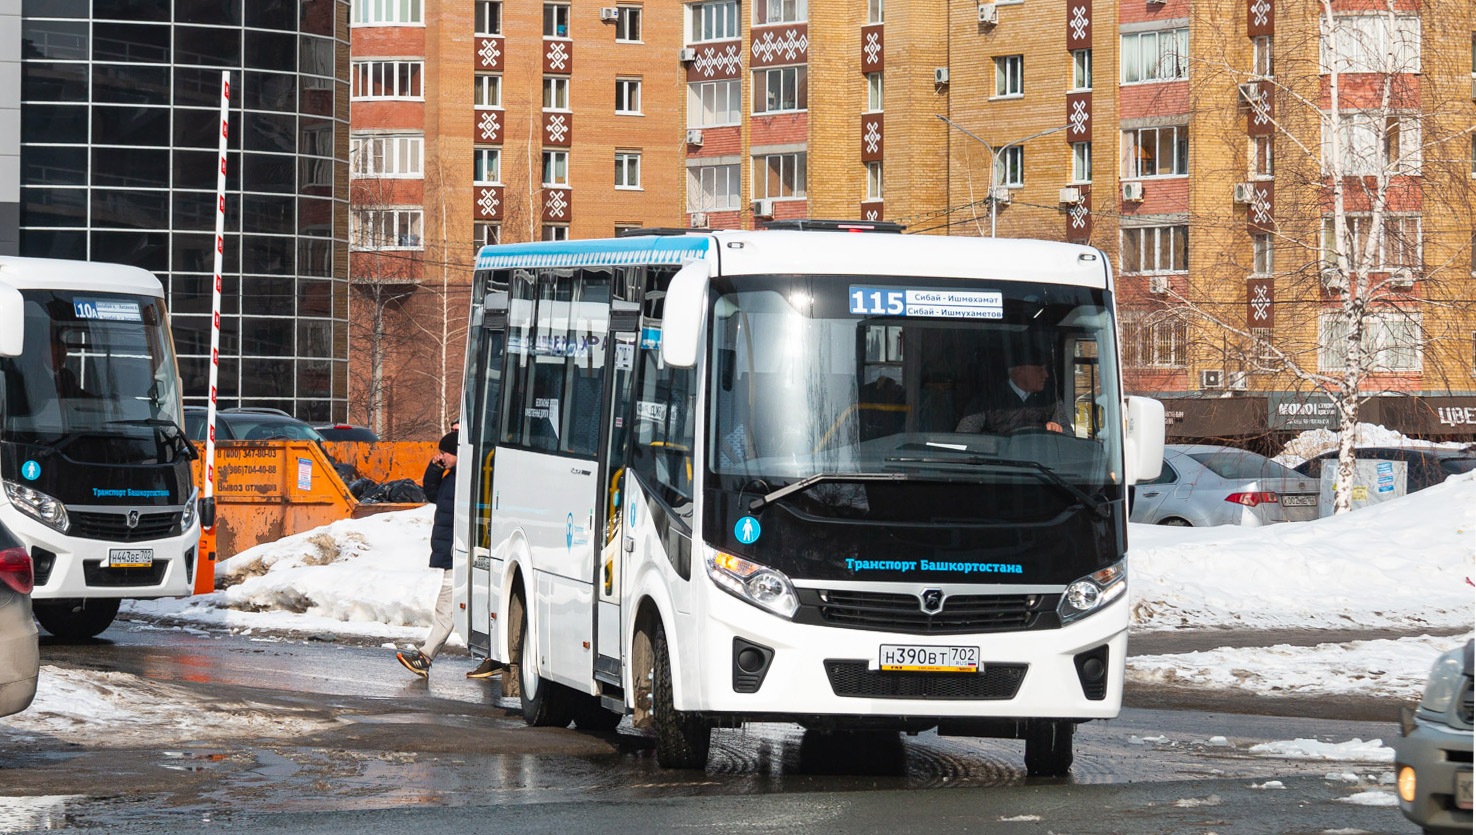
(76, 619)
(1048, 747)
(682, 739)
(545, 703)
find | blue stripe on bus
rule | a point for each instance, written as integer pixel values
(616, 251)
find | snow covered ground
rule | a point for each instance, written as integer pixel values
(1314, 442)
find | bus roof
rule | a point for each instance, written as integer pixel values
(763, 252)
(61, 274)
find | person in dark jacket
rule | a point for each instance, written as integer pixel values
(439, 483)
(1024, 402)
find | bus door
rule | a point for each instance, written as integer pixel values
(613, 539)
(484, 426)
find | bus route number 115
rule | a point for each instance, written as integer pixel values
(876, 301)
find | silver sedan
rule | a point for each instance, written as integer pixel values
(1202, 485)
(20, 659)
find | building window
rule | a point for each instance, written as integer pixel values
(712, 188)
(627, 95)
(875, 11)
(1155, 249)
(1263, 60)
(1155, 152)
(1372, 144)
(1158, 339)
(487, 234)
(628, 24)
(1081, 162)
(714, 21)
(1401, 242)
(1263, 254)
(779, 11)
(711, 103)
(627, 169)
(1155, 56)
(488, 165)
(385, 229)
(873, 92)
(388, 12)
(1362, 43)
(555, 93)
(777, 176)
(873, 181)
(1008, 70)
(556, 168)
(1081, 69)
(489, 17)
(488, 90)
(555, 232)
(387, 156)
(780, 90)
(387, 80)
(1009, 167)
(1262, 157)
(556, 20)
(1391, 341)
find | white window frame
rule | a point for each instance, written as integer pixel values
(764, 81)
(1009, 77)
(1364, 41)
(729, 90)
(1362, 137)
(793, 164)
(1263, 254)
(1158, 249)
(403, 226)
(1009, 167)
(486, 233)
(493, 164)
(712, 21)
(488, 15)
(1081, 69)
(1394, 251)
(391, 75)
(1261, 157)
(555, 88)
(875, 92)
(487, 91)
(1263, 56)
(552, 12)
(1178, 157)
(554, 232)
(1081, 162)
(387, 156)
(628, 93)
(555, 163)
(775, 12)
(873, 181)
(388, 13)
(1392, 341)
(714, 188)
(628, 18)
(628, 170)
(1169, 60)
(876, 11)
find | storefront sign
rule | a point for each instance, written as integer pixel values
(1214, 417)
(1451, 415)
(1300, 411)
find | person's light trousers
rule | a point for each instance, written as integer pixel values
(441, 621)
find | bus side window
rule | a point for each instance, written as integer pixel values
(520, 312)
(589, 324)
(664, 402)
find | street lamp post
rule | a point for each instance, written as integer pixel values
(994, 158)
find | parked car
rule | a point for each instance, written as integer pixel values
(1427, 466)
(1202, 485)
(345, 432)
(1432, 756)
(258, 424)
(20, 656)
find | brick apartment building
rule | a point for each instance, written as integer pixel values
(1183, 137)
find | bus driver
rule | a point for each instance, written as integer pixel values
(1023, 403)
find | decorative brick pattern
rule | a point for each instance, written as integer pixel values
(1260, 303)
(558, 129)
(1258, 119)
(487, 127)
(1079, 217)
(1079, 24)
(872, 135)
(1260, 213)
(774, 46)
(715, 61)
(489, 54)
(558, 57)
(558, 205)
(1079, 117)
(489, 202)
(1260, 18)
(873, 210)
(873, 49)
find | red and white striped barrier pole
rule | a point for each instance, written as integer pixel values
(205, 576)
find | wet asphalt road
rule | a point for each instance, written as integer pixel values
(394, 753)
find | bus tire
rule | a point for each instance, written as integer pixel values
(590, 715)
(682, 739)
(1048, 747)
(545, 703)
(75, 619)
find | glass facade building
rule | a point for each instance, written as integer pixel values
(119, 110)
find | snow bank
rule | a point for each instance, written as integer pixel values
(1401, 564)
(1314, 442)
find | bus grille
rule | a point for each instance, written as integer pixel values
(852, 678)
(97, 576)
(114, 526)
(890, 612)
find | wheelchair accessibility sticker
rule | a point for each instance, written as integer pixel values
(747, 530)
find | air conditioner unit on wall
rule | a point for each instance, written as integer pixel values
(1237, 380)
(988, 13)
(1158, 284)
(1333, 280)
(1211, 378)
(609, 13)
(1000, 194)
(1245, 193)
(694, 137)
(1132, 192)
(940, 75)
(687, 54)
(1250, 92)
(1402, 278)
(763, 208)
(1070, 195)
(699, 220)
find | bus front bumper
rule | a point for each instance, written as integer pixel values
(73, 567)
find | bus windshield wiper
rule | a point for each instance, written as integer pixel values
(1033, 467)
(806, 483)
(172, 432)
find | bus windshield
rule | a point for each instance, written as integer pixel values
(99, 366)
(934, 379)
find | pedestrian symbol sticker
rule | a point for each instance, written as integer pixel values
(31, 470)
(747, 530)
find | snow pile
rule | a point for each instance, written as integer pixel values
(1371, 798)
(1354, 750)
(1401, 564)
(1393, 669)
(1314, 442)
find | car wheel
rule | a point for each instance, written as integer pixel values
(1175, 522)
(76, 619)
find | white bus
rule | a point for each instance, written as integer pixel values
(756, 476)
(94, 463)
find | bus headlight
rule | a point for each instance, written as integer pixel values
(1093, 592)
(757, 584)
(1445, 681)
(39, 506)
(187, 518)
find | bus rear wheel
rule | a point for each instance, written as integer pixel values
(1048, 747)
(545, 703)
(75, 619)
(682, 739)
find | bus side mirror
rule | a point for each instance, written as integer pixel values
(1142, 447)
(682, 314)
(207, 512)
(12, 321)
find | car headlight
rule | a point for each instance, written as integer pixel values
(1445, 683)
(1093, 592)
(39, 506)
(757, 584)
(187, 518)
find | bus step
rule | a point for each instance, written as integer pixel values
(614, 704)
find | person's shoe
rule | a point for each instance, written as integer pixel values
(415, 661)
(487, 669)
